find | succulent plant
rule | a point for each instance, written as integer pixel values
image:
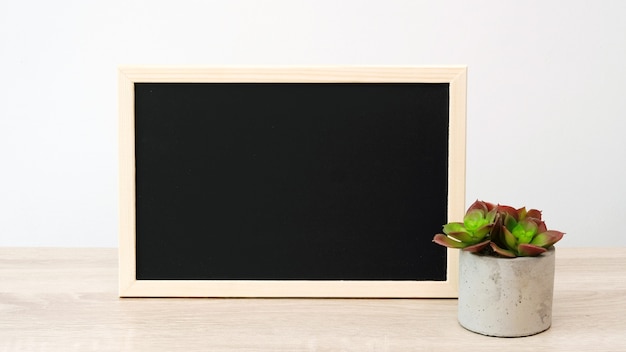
(499, 230)
(521, 233)
(471, 234)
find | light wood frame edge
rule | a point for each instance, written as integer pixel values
(456, 76)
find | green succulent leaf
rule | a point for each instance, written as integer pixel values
(509, 239)
(474, 220)
(453, 227)
(509, 222)
(492, 215)
(547, 238)
(462, 236)
(541, 226)
(482, 232)
(524, 231)
(521, 213)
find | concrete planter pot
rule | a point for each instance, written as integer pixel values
(506, 297)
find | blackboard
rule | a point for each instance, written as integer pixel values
(278, 182)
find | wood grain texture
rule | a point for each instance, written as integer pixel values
(66, 300)
(312, 74)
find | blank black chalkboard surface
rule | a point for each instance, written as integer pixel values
(290, 181)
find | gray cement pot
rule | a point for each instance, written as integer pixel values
(506, 297)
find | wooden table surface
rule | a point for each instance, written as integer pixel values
(66, 300)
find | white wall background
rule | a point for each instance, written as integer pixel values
(546, 95)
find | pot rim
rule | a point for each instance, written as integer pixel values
(548, 253)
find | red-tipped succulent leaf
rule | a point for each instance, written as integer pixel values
(446, 241)
(501, 251)
(547, 238)
(477, 247)
(534, 213)
(530, 250)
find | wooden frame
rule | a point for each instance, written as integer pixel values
(129, 286)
